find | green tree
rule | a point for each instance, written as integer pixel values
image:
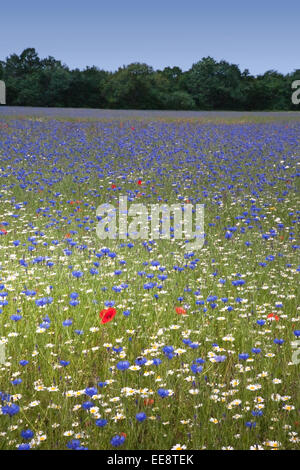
(215, 85)
(85, 90)
(269, 91)
(131, 87)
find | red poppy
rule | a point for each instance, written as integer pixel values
(132, 128)
(107, 314)
(139, 182)
(148, 401)
(180, 310)
(273, 315)
(113, 186)
(3, 231)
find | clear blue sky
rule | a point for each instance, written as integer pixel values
(258, 35)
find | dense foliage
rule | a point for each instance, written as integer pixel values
(208, 85)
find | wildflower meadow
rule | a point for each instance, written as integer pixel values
(140, 342)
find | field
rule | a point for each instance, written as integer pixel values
(200, 349)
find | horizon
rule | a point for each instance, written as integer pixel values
(150, 65)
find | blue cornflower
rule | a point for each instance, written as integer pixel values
(140, 361)
(94, 271)
(250, 424)
(244, 356)
(256, 350)
(117, 441)
(123, 365)
(73, 444)
(16, 381)
(23, 362)
(141, 416)
(163, 392)
(90, 391)
(11, 409)
(187, 341)
(278, 341)
(43, 301)
(156, 361)
(77, 274)
(101, 422)
(16, 317)
(168, 350)
(220, 358)
(24, 447)
(4, 396)
(27, 434)
(87, 405)
(64, 363)
(102, 384)
(196, 369)
(199, 360)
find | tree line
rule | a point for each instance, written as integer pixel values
(207, 85)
